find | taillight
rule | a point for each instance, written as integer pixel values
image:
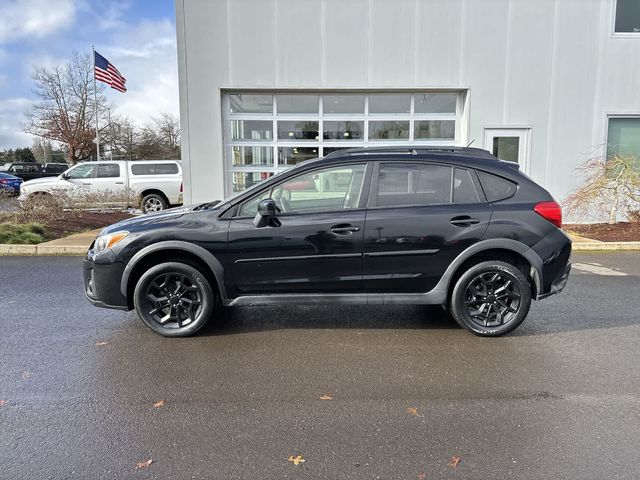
(550, 211)
(180, 187)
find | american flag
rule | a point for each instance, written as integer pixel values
(107, 73)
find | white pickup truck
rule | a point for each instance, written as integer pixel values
(157, 184)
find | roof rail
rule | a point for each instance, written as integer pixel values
(412, 150)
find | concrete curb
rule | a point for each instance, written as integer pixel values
(78, 251)
(44, 250)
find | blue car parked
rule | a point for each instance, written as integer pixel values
(9, 184)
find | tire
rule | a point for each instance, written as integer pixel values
(153, 202)
(189, 299)
(502, 289)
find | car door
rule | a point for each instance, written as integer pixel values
(420, 216)
(316, 246)
(108, 184)
(77, 181)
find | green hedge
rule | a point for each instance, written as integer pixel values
(16, 233)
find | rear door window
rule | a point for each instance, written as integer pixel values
(109, 170)
(413, 184)
(464, 188)
(496, 188)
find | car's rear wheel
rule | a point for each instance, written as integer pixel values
(174, 299)
(153, 202)
(491, 298)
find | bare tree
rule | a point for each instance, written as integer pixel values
(611, 187)
(122, 137)
(166, 131)
(65, 110)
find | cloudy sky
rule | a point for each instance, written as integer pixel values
(137, 36)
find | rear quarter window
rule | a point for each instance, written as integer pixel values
(496, 188)
(155, 169)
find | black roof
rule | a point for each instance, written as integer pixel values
(414, 150)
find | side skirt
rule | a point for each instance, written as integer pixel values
(434, 297)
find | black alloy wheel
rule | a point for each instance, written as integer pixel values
(174, 299)
(491, 298)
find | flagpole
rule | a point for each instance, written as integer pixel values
(95, 103)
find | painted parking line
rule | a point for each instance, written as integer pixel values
(598, 269)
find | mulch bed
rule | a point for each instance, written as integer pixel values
(618, 232)
(76, 222)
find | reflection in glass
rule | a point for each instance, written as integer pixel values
(336, 104)
(389, 103)
(244, 180)
(388, 130)
(627, 16)
(435, 103)
(298, 130)
(241, 103)
(294, 155)
(251, 130)
(342, 130)
(251, 156)
(298, 103)
(435, 129)
(506, 148)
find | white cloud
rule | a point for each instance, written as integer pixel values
(146, 56)
(11, 119)
(34, 18)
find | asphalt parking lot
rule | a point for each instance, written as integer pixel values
(405, 390)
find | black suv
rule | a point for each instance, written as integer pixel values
(449, 226)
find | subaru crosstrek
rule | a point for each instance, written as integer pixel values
(450, 226)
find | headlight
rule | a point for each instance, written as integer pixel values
(107, 241)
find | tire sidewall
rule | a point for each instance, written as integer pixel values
(153, 195)
(459, 313)
(208, 298)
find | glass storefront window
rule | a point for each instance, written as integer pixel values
(342, 130)
(435, 103)
(252, 156)
(242, 103)
(294, 155)
(435, 129)
(298, 130)
(297, 103)
(388, 130)
(251, 130)
(343, 104)
(244, 180)
(389, 103)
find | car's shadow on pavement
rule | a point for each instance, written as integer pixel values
(254, 319)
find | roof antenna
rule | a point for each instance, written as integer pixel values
(471, 142)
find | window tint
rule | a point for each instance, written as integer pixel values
(154, 169)
(413, 184)
(109, 170)
(464, 190)
(82, 171)
(496, 188)
(324, 190)
(250, 207)
(627, 16)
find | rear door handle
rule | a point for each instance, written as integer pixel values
(464, 221)
(119, 183)
(343, 229)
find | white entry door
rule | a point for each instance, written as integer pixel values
(510, 144)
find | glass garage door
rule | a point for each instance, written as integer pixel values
(266, 132)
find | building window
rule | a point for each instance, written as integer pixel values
(624, 137)
(266, 132)
(627, 16)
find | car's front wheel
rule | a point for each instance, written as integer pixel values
(491, 298)
(174, 299)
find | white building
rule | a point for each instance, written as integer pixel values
(267, 83)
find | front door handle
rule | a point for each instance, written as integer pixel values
(464, 221)
(344, 229)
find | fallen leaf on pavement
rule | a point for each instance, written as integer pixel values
(158, 404)
(296, 460)
(26, 374)
(326, 397)
(422, 476)
(455, 460)
(100, 344)
(145, 464)
(413, 411)
(3, 403)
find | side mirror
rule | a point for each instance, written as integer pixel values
(267, 210)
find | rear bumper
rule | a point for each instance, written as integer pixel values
(102, 284)
(558, 284)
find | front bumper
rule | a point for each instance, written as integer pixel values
(102, 283)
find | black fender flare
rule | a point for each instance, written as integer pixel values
(502, 243)
(207, 257)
